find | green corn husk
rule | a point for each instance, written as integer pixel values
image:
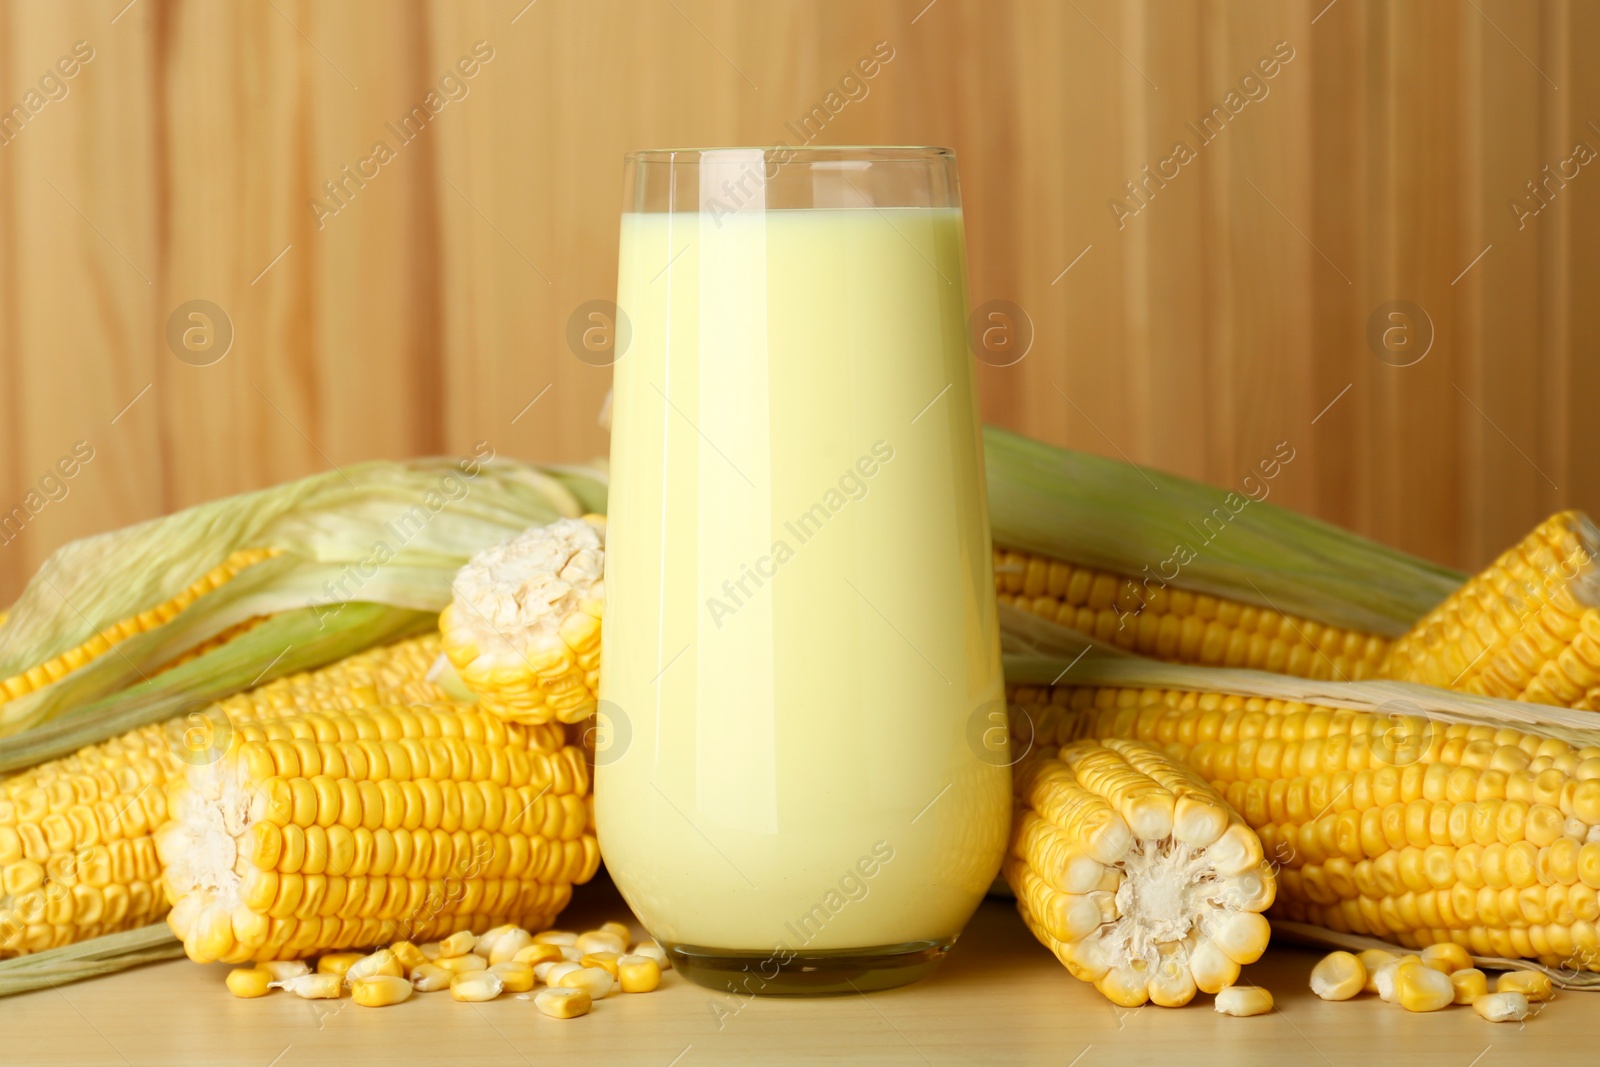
(1118, 517)
(381, 532)
(1042, 653)
(88, 959)
(292, 641)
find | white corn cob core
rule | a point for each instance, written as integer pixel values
(512, 598)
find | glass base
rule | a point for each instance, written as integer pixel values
(785, 973)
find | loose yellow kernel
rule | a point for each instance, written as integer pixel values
(1501, 1007)
(1446, 956)
(534, 955)
(604, 960)
(638, 974)
(1418, 987)
(337, 962)
(477, 986)
(1470, 984)
(248, 982)
(563, 1003)
(518, 977)
(1243, 1000)
(1338, 976)
(596, 981)
(1535, 985)
(430, 978)
(457, 944)
(380, 990)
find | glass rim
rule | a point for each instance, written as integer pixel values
(811, 153)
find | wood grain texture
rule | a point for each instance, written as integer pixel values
(1226, 309)
(1000, 998)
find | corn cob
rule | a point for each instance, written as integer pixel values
(58, 667)
(1526, 628)
(1135, 873)
(217, 641)
(347, 828)
(1169, 623)
(523, 625)
(1392, 826)
(77, 855)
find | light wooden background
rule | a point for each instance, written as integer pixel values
(1224, 317)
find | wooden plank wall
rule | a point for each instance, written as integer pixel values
(1227, 313)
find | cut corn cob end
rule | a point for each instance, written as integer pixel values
(523, 626)
(1136, 873)
(78, 856)
(360, 827)
(1168, 623)
(1395, 827)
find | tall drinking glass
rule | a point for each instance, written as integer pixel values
(799, 783)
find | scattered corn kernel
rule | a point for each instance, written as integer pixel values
(487, 939)
(541, 971)
(380, 990)
(1243, 1000)
(638, 974)
(430, 949)
(1384, 981)
(477, 985)
(430, 978)
(508, 944)
(563, 1003)
(604, 960)
(1338, 976)
(1418, 987)
(248, 982)
(570, 954)
(1501, 1007)
(1447, 956)
(518, 977)
(409, 955)
(313, 986)
(600, 941)
(457, 944)
(534, 955)
(1535, 985)
(1470, 984)
(556, 971)
(462, 964)
(379, 963)
(337, 963)
(620, 929)
(1374, 959)
(281, 969)
(555, 937)
(597, 981)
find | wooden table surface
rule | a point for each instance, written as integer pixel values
(999, 998)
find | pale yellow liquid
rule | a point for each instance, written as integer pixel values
(771, 744)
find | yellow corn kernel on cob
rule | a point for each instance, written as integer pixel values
(42, 675)
(330, 830)
(216, 641)
(77, 855)
(1135, 873)
(1168, 623)
(1391, 826)
(523, 625)
(1526, 628)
